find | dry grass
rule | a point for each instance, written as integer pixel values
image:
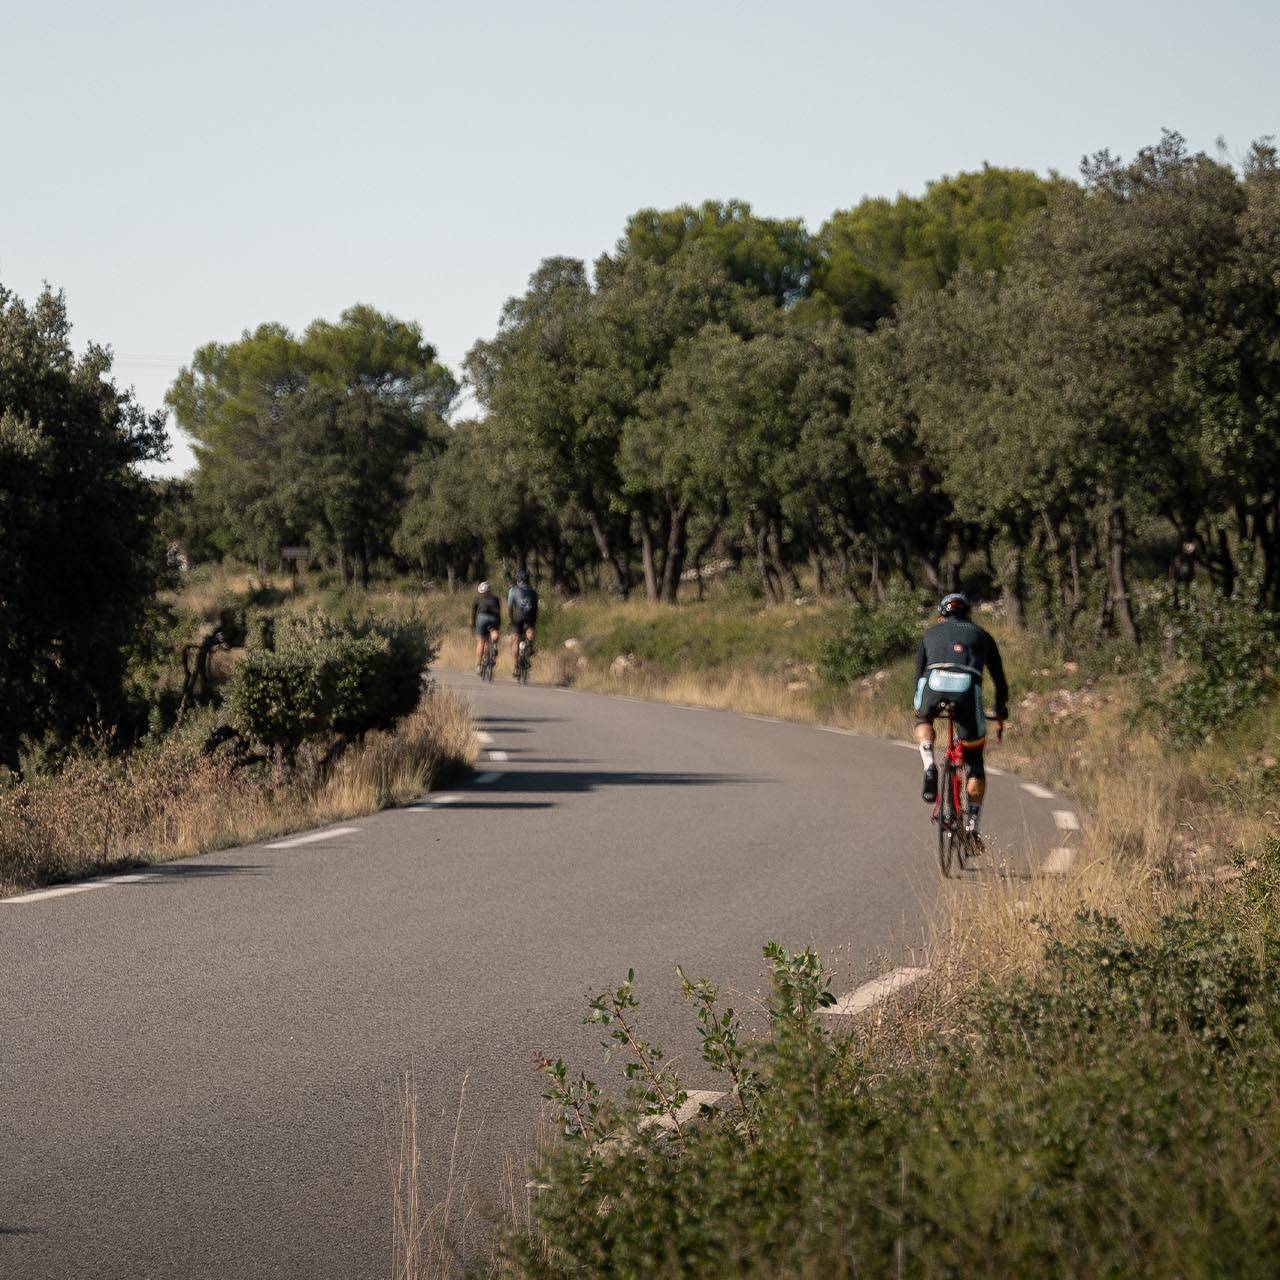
(170, 801)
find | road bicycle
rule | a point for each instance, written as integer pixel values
(488, 658)
(957, 846)
(524, 660)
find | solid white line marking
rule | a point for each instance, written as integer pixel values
(763, 719)
(1035, 789)
(830, 728)
(484, 778)
(499, 756)
(63, 890)
(1066, 820)
(999, 773)
(1057, 861)
(313, 837)
(483, 738)
(871, 993)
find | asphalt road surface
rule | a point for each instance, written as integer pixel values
(198, 1066)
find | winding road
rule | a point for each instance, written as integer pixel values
(198, 1064)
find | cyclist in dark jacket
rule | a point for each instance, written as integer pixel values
(486, 618)
(949, 667)
(522, 609)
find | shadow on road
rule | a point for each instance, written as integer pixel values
(200, 871)
(509, 720)
(580, 781)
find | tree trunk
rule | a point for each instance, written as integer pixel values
(619, 578)
(1117, 546)
(451, 576)
(646, 557)
(673, 565)
(1012, 586)
(344, 574)
(756, 538)
(786, 575)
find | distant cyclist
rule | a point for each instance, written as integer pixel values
(953, 655)
(522, 609)
(486, 619)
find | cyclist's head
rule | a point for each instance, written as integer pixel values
(522, 578)
(955, 605)
(482, 589)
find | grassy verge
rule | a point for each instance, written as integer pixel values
(169, 800)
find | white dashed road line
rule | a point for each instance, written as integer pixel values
(871, 993)
(1035, 789)
(1066, 820)
(435, 802)
(314, 837)
(1057, 861)
(499, 756)
(483, 738)
(63, 890)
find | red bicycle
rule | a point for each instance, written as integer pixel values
(956, 845)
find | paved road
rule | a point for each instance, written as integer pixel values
(197, 1068)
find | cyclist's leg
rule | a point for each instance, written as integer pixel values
(973, 739)
(926, 713)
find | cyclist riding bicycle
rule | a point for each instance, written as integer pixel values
(949, 665)
(486, 619)
(522, 609)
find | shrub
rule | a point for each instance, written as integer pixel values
(869, 638)
(327, 676)
(1225, 648)
(1112, 1115)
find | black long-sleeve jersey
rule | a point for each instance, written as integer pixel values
(963, 645)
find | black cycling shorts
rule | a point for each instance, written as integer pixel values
(486, 622)
(521, 624)
(966, 712)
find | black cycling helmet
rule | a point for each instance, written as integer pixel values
(522, 578)
(955, 605)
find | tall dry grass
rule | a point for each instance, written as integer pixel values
(168, 800)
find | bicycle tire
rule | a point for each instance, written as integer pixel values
(946, 823)
(962, 836)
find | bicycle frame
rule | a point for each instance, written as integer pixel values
(954, 757)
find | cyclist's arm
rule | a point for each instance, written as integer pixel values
(475, 613)
(996, 666)
(922, 659)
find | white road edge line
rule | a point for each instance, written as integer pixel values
(499, 756)
(62, 890)
(762, 719)
(483, 737)
(1035, 789)
(484, 778)
(873, 992)
(1057, 861)
(313, 837)
(1066, 820)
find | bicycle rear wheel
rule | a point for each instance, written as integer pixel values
(946, 823)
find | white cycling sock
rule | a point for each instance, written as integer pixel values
(926, 754)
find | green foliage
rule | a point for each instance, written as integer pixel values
(1113, 1115)
(81, 558)
(1225, 652)
(868, 638)
(327, 677)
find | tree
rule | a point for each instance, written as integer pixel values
(82, 557)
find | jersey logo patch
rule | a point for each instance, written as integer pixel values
(957, 648)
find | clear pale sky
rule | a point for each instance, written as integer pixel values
(186, 172)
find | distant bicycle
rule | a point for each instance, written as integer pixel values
(524, 660)
(489, 659)
(956, 845)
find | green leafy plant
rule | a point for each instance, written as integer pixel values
(868, 638)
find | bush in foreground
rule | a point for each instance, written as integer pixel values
(1113, 1115)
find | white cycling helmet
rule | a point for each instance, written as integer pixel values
(482, 589)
